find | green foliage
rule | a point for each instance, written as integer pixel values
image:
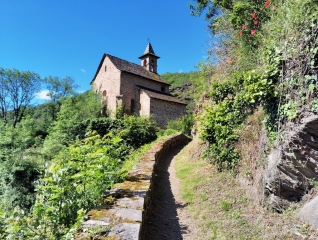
(184, 124)
(314, 105)
(138, 131)
(59, 88)
(69, 124)
(77, 178)
(267, 55)
(177, 79)
(57, 159)
(189, 87)
(17, 89)
(17, 182)
(234, 101)
(20, 165)
(225, 205)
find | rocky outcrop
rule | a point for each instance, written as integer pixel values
(309, 213)
(292, 166)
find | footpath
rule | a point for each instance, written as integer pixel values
(144, 205)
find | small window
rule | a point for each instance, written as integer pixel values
(104, 93)
(105, 68)
(162, 88)
(132, 105)
(144, 63)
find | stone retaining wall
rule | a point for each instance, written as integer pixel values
(131, 200)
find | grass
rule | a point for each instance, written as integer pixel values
(221, 209)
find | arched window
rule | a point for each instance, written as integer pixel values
(152, 66)
(144, 63)
(104, 96)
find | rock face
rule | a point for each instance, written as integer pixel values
(292, 165)
(309, 213)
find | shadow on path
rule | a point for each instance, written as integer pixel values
(163, 222)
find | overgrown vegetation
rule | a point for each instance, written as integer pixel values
(58, 159)
(184, 124)
(189, 87)
(267, 57)
(77, 178)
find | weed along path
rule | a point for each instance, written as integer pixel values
(168, 219)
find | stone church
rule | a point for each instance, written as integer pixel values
(137, 89)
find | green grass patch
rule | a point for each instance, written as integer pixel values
(220, 208)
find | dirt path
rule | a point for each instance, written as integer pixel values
(169, 219)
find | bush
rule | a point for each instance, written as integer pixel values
(184, 124)
(78, 177)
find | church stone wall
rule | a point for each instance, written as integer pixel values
(164, 111)
(129, 91)
(144, 103)
(108, 78)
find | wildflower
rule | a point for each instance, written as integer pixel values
(244, 26)
(253, 15)
(267, 3)
(226, 24)
(231, 62)
(241, 33)
(253, 31)
(274, 7)
(255, 22)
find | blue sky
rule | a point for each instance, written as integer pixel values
(68, 38)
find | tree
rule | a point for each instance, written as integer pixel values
(66, 128)
(60, 87)
(17, 90)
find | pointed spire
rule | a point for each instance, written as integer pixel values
(149, 51)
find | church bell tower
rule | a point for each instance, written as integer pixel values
(149, 59)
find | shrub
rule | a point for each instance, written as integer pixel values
(183, 124)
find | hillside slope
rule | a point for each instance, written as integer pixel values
(220, 208)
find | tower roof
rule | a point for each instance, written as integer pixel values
(149, 51)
